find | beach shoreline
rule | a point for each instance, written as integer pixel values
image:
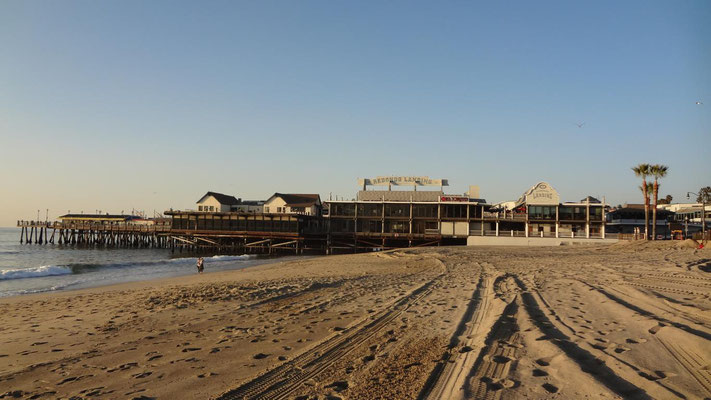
(405, 323)
(187, 279)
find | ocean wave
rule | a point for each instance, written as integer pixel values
(232, 258)
(45, 270)
(78, 268)
(214, 258)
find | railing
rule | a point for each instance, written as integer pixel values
(513, 233)
(506, 216)
(99, 226)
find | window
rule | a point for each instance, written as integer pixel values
(454, 211)
(541, 212)
(424, 210)
(397, 210)
(199, 208)
(343, 209)
(279, 209)
(397, 227)
(370, 210)
(266, 209)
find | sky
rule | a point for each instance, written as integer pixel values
(121, 105)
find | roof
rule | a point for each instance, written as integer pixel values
(222, 198)
(298, 199)
(590, 199)
(99, 216)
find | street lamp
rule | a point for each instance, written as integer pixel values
(704, 199)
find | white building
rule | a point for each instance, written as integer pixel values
(293, 203)
(218, 202)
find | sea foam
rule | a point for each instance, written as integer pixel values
(45, 270)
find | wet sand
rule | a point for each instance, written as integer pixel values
(620, 321)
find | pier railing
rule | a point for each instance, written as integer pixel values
(509, 216)
(98, 226)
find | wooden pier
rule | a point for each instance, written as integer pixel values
(189, 232)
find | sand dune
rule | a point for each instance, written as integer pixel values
(622, 321)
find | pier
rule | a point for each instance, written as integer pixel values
(187, 231)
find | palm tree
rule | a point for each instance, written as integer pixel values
(659, 171)
(646, 190)
(643, 171)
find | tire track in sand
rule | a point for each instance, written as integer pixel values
(586, 360)
(646, 313)
(281, 381)
(491, 369)
(449, 375)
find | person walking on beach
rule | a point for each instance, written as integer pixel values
(200, 265)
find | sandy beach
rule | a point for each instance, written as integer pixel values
(630, 320)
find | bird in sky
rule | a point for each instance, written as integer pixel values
(698, 103)
(580, 125)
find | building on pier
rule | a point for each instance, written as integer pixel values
(294, 203)
(241, 231)
(389, 218)
(540, 213)
(629, 220)
(218, 202)
(393, 218)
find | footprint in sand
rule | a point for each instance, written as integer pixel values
(188, 349)
(653, 330)
(635, 341)
(545, 361)
(339, 386)
(539, 372)
(550, 388)
(123, 367)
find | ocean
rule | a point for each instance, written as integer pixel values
(34, 268)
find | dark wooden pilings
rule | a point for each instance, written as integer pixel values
(88, 235)
(150, 236)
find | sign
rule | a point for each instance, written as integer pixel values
(403, 181)
(542, 194)
(454, 198)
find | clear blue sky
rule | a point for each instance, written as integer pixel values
(117, 104)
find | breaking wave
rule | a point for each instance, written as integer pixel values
(78, 268)
(45, 270)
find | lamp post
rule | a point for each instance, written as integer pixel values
(704, 199)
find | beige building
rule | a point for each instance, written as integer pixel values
(218, 202)
(293, 203)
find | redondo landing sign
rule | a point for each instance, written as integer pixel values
(542, 194)
(402, 181)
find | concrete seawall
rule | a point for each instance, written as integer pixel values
(533, 241)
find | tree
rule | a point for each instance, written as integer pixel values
(659, 171)
(666, 200)
(704, 192)
(642, 170)
(646, 192)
